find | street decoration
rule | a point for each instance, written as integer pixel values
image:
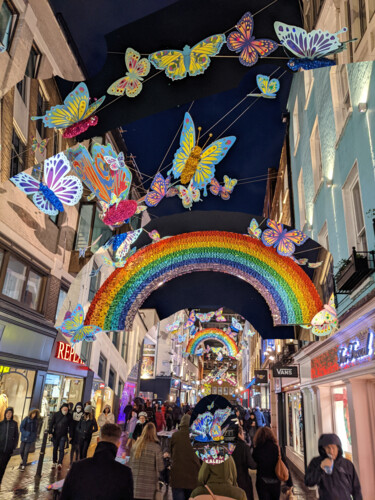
(131, 83)
(95, 272)
(282, 239)
(212, 334)
(178, 63)
(173, 327)
(116, 163)
(123, 242)
(325, 321)
(56, 190)
(236, 325)
(39, 146)
(207, 427)
(205, 317)
(76, 115)
(191, 320)
(82, 251)
(254, 229)
(74, 328)
(189, 195)
(224, 191)
(242, 40)
(159, 188)
(287, 289)
(219, 315)
(267, 87)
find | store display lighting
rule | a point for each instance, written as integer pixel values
(272, 358)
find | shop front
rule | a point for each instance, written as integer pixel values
(101, 396)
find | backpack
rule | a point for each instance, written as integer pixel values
(210, 496)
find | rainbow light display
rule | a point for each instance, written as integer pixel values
(288, 291)
(213, 334)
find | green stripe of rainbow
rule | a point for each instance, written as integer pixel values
(212, 334)
(288, 291)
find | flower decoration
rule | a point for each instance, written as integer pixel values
(116, 215)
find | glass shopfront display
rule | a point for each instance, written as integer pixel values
(341, 419)
(16, 388)
(295, 422)
(58, 390)
(101, 396)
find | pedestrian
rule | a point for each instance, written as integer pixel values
(149, 411)
(128, 411)
(59, 428)
(239, 417)
(29, 432)
(71, 406)
(221, 479)
(107, 417)
(85, 429)
(100, 477)
(259, 417)
(8, 439)
(267, 417)
(159, 420)
(266, 455)
(176, 415)
(169, 418)
(141, 423)
(335, 475)
(251, 426)
(146, 463)
(244, 461)
(185, 463)
(76, 417)
(130, 429)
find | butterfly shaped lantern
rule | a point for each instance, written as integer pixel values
(242, 40)
(194, 164)
(57, 188)
(73, 327)
(193, 60)
(76, 115)
(267, 87)
(131, 83)
(283, 240)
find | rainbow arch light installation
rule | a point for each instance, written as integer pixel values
(213, 334)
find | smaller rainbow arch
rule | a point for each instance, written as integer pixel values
(212, 334)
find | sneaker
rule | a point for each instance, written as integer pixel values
(53, 466)
(59, 467)
(22, 468)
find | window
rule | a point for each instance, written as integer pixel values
(17, 161)
(90, 227)
(323, 238)
(295, 422)
(41, 107)
(8, 18)
(358, 20)
(342, 106)
(371, 9)
(62, 296)
(22, 88)
(86, 352)
(301, 200)
(94, 283)
(102, 368)
(295, 126)
(125, 345)
(116, 339)
(308, 80)
(341, 419)
(355, 224)
(120, 387)
(111, 378)
(316, 156)
(33, 62)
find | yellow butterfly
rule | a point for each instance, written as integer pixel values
(195, 61)
(131, 83)
(229, 183)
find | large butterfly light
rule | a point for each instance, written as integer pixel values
(267, 87)
(192, 163)
(73, 327)
(195, 60)
(76, 115)
(283, 240)
(242, 40)
(131, 83)
(58, 188)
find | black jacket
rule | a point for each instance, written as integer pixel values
(99, 477)
(60, 425)
(244, 461)
(8, 434)
(342, 483)
(85, 429)
(138, 430)
(266, 456)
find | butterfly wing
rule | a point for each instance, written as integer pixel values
(210, 157)
(132, 82)
(187, 142)
(254, 229)
(131, 238)
(185, 196)
(271, 237)
(171, 61)
(215, 187)
(229, 183)
(122, 181)
(201, 426)
(219, 315)
(26, 183)
(220, 417)
(87, 333)
(238, 40)
(154, 235)
(158, 191)
(69, 188)
(74, 322)
(201, 52)
(191, 319)
(288, 240)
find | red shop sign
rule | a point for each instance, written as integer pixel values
(65, 352)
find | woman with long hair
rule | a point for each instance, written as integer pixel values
(146, 463)
(266, 455)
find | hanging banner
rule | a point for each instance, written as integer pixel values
(148, 362)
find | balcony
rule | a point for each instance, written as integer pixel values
(354, 270)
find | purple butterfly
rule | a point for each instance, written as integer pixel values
(58, 188)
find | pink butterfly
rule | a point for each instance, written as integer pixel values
(282, 239)
(219, 315)
(191, 320)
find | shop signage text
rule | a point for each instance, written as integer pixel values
(353, 351)
(65, 351)
(285, 371)
(261, 376)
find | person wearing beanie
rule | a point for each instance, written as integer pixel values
(28, 428)
(59, 428)
(107, 417)
(76, 418)
(85, 429)
(141, 423)
(8, 439)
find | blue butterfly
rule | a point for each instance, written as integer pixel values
(236, 325)
(181, 338)
(73, 326)
(207, 427)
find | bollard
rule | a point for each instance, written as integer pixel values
(41, 455)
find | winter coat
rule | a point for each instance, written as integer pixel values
(131, 426)
(343, 483)
(244, 461)
(138, 429)
(99, 477)
(259, 417)
(221, 479)
(176, 414)
(128, 411)
(85, 429)
(266, 456)
(76, 417)
(8, 434)
(106, 419)
(150, 414)
(185, 463)
(146, 470)
(28, 429)
(160, 421)
(60, 425)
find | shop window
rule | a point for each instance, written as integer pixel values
(41, 107)
(62, 296)
(58, 390)
(295, 422)
(342, 420)
(120, 387)
(8, 19)
(342, 105)
(355, 224)
(90, 227)
(16, 387)
(17, 161)
(102, 367)
(111, 378)
(316, 156)
(296, 134)
(301, 200)
(94, 283)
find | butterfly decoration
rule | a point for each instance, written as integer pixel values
(185, 354)
(283, 240)
(242, 40)
(173, 327)
(191, 319)
(2, 47)
(95, 272)
(116, 263)
(40, 147)
(224, 191)
(192, 331)
(208, 427)
(267, 87)
(304, 261)
(236, 325)
(131, 83)
(219, 357)
(249, 333)
(58, 188)
(116, 163)
(216, 350)
(311, 48)
(193, 164)
(189, 195)
(154, 235)
(205, 317)
(254, 229)
(181, 338)
(219, 315)
(82, 251)
(325, 321)
(124, 243)
(193, 60)
(199, 351)
(73, 327)
(158, 190)
(211, 406)
(76, 115)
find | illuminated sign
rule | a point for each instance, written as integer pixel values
(65, 352)
(290, 371)
(4, 369)
(353, 351)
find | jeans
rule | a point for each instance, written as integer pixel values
(83, 447)
(74, 452)
(59, 444)
(181, 493)
(24, 452)
(4, 459)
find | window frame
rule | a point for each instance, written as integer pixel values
(92, 224)
(15, 16)
(308, 82)
(38, 55)
(40, 111)
(94, 279)
(101, 355)
(20, 156)
(111, 369)
(120, 383)
(340, 92)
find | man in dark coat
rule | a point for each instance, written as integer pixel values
(185, 463)
(100, 477)
(244, 461)
(59, 428)
(334, 474)
(8, 439)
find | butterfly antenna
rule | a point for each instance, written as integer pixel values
(209, 137)
(199, 135)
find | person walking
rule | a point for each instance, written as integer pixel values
(29, 432)
(176, 415)
(221, 479)
(146, 463)
(107, 417)
(8, 439)
(244, 461)
(76, 417)
(259, 417)
(100, 477)
(185, 463)
(130, 429)
(150, 412)
(266, 455)
(169, 418)
(85, 429)
(128, 412)
(59, 428)
(141, 423)
(250, 426)
(159, 420)
(335, 475)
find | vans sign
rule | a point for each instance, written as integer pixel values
(290, 371)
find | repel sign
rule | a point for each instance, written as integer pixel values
(65, 351)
